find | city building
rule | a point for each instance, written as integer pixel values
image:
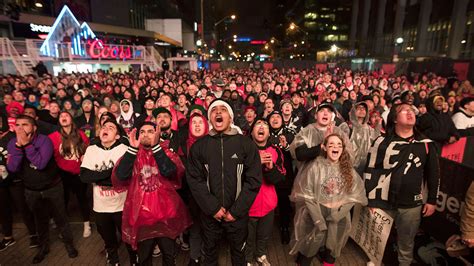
(413, 28)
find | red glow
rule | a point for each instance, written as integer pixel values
(98, 49)
(258, 42)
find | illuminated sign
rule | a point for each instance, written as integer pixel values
(66, 25)
(258, 42)
(242, 39)
(97, 49)
(40, 28)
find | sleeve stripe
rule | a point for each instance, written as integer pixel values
(156, 149)
(132, 150)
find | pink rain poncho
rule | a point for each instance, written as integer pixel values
(153, 208)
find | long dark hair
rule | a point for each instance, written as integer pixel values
(72, 143)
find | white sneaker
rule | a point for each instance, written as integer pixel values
(156, 251)
(87, 230)
(263, 261)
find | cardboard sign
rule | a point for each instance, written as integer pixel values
(370, 230)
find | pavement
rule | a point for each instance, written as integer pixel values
(90, 251)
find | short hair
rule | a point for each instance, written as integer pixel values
(30, 119)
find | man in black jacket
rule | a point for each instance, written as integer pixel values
(224, 175)
(398, 165)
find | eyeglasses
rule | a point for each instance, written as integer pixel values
(262, 124)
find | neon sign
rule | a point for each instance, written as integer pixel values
(97, 49)
(258, 42)
(243, 39)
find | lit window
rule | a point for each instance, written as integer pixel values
(310, 24)
(310, 15)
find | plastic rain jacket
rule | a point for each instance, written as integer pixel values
(153, 208)
(323, 206)
(362, 136)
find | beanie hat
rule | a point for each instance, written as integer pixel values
(220, 102)
(273, 113)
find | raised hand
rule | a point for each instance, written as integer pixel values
(132, 136)
(283, 141)
(156, 136)
(21, 137)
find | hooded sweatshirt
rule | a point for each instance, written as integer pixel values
(464, 122)
(127, 119)
(361, 137)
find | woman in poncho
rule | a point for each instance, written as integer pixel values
(324, 193)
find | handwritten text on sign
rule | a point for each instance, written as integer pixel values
(370, 230)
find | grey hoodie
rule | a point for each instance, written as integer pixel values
(361, 138)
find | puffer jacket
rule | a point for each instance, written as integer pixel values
(267, 199)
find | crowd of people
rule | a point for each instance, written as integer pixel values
(180, 159)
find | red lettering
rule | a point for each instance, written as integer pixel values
(105, 52)
(98, 49)
(92, 49)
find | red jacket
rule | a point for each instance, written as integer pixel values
(266, 199)
(71, 165)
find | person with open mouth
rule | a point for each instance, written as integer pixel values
(224, 173)
(324, 193)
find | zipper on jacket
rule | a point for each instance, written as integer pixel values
(222, 159)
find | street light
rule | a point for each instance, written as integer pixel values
(230, 46)
(292, 26)
(272, 40)
(334, 48)
(399, 40)
(232, 17)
